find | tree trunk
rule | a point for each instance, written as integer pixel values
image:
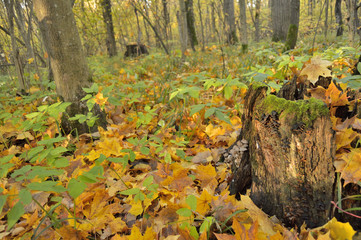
(182, 27)
(294, 23)
(108, 20)
(214, 28)
(280, 19)
(228, 10)
(353, 20)
(146, 12)
(326, 17)
(201, 22)
(289, 159)
(18, 62)
(190, 24)
(154, 28)
(243, 20)
(166, 19)
(338, 16)
(68, 62)
(257, 20)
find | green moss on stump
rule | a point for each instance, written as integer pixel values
(305, 111)
(291, 37)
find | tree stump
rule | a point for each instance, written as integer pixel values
(289, 161)
(135, 50)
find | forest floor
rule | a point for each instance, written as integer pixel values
(155, 173)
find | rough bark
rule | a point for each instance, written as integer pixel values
(280, 19)
(17, 60)
(201, 22)
(338, 15)
(294, 23)
(228, 10)
(68, 62)
(326, 18)
(182, 27)
(289, 157)
(243, 20)
(190, 23)
(108, 21)
(257, 20)
(213, 14)
(166, 20)
(353, 20)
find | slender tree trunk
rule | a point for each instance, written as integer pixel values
(182, 27)
(201, 21)
(146, 12)
(257, 20)
(153, 28)
(157, 22)
(68, 62)
(108, 20)
(207, 25)
(190, 24)
(213, 14)
(338, 16)
(326, 17)
(166, 20)
(294, 24)
(139, 38)
(243, 20)
(23, 85)
(228, 10)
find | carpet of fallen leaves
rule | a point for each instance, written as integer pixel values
(154, 173)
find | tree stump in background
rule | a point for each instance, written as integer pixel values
(135, 50)
(289, 161)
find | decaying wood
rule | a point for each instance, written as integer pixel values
(289, 161)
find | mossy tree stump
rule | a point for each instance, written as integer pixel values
(290, 156)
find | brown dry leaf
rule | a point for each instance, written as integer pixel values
(224, 236)
(317, 67)
(352, 170)
(40, 197)
(357, 124)
(202, 157)
(265, 224)
(318, 92)
(335, 97)
(24, 135)
(345, 137)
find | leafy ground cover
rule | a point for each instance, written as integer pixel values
(155, 173)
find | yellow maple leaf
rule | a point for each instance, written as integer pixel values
(137, 235)
(36, 76)
(315, 68)
(203, 202)
(213, 132)
(207, 176)
(30, 60)
(100, 99)
(339, 230)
